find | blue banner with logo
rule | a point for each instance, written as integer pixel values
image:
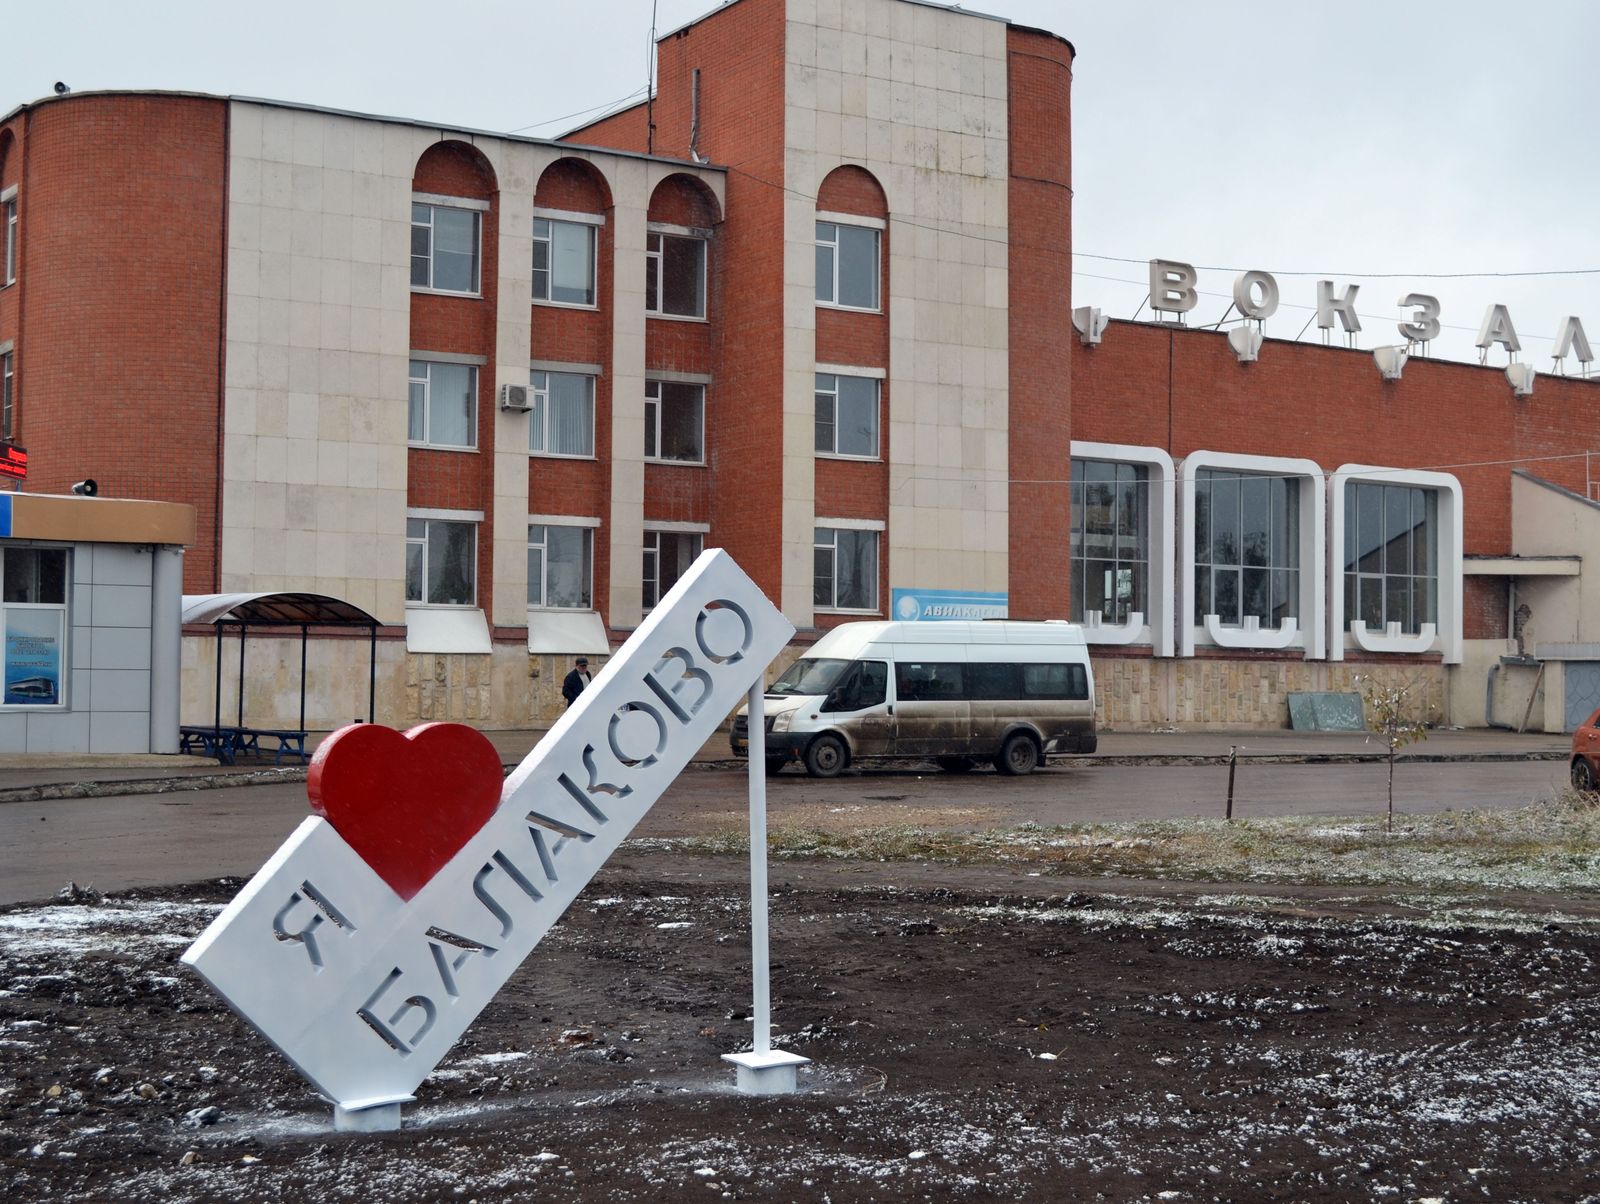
(944, 605)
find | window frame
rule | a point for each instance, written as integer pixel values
(1139, 487)
(1287, 559)
(655, 271)
(8, 394)
(566, 523)
(835, 528)
(460, 205)
(63, 629)
(427, 403)
(653, 407)
(428, 518)
(831, 301)
(591, 224)
(1310, 634)
(818, 392)
(651, 568)
(10, 236)
(535, 406)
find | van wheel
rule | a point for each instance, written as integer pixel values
(955, 764)
(825, 757)
(1018, 755)
(774, 764)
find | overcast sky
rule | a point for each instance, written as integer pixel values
(1338, 140)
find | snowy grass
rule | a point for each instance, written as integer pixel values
(1548, 846)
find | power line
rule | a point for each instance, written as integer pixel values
(618, 103)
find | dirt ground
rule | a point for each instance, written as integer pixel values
(976, 1034)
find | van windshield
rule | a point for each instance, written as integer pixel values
(808, 676)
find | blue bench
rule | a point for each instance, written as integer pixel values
(228, 744)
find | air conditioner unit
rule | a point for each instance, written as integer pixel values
(514, 397)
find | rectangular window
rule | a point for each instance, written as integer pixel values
(1391, 556)
(443, 405)
(845, 569)
(1247, 548)
(847, 415)
(1110, 540)
(667, 555)
(674, 421)
(563, 262)
(441, 562)
(561, 416)
(847, 266)
(560, 566)
(922, 681)
(444, 248)
(10, 209)
(8, 395)
(35, 624)
(675, 275)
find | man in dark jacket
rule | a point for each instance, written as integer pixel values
(576, 680)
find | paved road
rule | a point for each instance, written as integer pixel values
(155, 839)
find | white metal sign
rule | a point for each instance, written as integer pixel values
(364, 990)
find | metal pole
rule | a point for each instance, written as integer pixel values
(216, 718)
(762, 1040)
(241, 674)
(302, 677)
(1233, 761)
(372, 672)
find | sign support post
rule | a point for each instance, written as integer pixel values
(764, 1070)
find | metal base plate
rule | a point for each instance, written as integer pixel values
(770, 1073)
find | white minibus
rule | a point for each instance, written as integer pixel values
(1002, 690)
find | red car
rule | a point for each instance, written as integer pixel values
(1586, 754)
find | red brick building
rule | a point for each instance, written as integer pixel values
(812, 304)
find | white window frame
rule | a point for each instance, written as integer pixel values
(8, 392)
(855, 526)
(472, 364)
(1310, 630)
(466, 205)
(655, 269)
(877, 226)
(63, 610)
(876, 375)
(536, 391)
(588, 526)
(652, 416)
(1157, 628)
(1448, 635)
(8, 214)
(467, 518)
(592, 222)
(652, 554)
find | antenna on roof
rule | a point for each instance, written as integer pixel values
(650, 81)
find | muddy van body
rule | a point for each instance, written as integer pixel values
(1003, 691)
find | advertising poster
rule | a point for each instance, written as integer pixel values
(33, 657)
(944, 605)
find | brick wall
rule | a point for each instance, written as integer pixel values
(1039, 82)
(463, 326)
(740, 48)
(117, 312)
(580, 336)
(1183, 390)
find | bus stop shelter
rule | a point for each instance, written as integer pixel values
(278, 613)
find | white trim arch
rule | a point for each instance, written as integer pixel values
(1447, 636)
(1310, 634)
(1157, 630)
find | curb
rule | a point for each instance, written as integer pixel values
(47, 791)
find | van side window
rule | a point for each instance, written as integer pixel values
(924, 682)
(992, 681)
(864, 684)
(1055, 681)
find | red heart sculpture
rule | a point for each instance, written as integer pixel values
(406, 803)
